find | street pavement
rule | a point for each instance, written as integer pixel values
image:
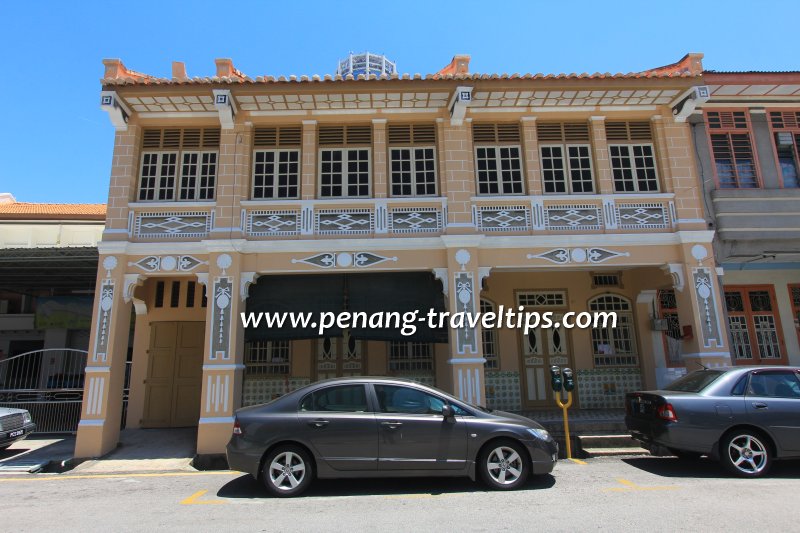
(603, 494)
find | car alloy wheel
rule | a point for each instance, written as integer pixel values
(746, 455)
(504, 466)
(287, 471)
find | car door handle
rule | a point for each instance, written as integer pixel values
(391, 425)
(760, 405)
(319, 423)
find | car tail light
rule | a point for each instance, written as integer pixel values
(237, 429)
(667, 412)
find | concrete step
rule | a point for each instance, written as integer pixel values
(619, 440)
(610, 452)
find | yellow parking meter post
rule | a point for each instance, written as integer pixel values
(564, 407)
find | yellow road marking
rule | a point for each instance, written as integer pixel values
(194, 499)
(631, 486)
(578, 461)
(45, 477)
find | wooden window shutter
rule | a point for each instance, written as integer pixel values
(562, 132)
(176, 138)
(629, 131)
(274, 137)
(411, 134)
(789, 120)
(496, 133)
(726, 120)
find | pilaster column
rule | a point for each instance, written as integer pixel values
(223, 360)
(233, 180)
(530, 147)
(700, 307)
(602, 163)
(466, 349)
(101, 410)
(460, 176)
(124, 181)
(139, 362)
(653, 361)
(308, 183)
(380, 186)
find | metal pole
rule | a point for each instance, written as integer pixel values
(564, 407)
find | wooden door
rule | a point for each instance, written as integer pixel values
(174, 371)
(541, 349)
(337, 357)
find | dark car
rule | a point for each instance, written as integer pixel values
(15, 424)
(382, 427)
(744, 417)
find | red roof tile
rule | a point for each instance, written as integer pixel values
(35, 211)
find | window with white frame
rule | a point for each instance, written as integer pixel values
(263, 358)
(614, 346)
(498, 161)
(344, 161)
(489, 339)
(632, 156)
(566, 157)
(179, 164)
(410, 356)
(276, 162)
(412, 159)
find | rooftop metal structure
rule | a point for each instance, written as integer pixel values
(366, 64)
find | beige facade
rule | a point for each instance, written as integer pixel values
(554, 193)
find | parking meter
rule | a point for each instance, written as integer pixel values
(569, 380)
(555, 378)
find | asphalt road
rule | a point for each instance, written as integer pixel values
(643, 493)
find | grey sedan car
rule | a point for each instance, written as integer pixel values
(382, 427)
(743, 416)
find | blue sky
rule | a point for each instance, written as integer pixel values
(52, 56)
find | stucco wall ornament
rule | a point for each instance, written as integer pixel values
(168, 263)
(344, 259)
(562, 256)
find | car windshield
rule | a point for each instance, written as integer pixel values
(694, 382)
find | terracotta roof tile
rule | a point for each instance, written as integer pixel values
(36, 211)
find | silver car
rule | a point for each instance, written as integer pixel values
(15, 424)
(744, 416)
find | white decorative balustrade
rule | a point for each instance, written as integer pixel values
(170, 224)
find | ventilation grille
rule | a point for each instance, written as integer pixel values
(785, 120)
(177, 138)
(412, 134)
(606, 280)
(278, 137)
(562, 131)
(727, 120)
(495, 133)
(344, 135)
(628, 131)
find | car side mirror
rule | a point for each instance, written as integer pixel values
(448, 411)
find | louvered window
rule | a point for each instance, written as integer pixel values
(786, 133)
(412, 155)
(179, 164)
(276, 162)
(566, 157)
(498, 162)
(344, 171)
(633, 162)
(732, 149)
(754, 325)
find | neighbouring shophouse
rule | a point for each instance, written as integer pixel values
(369, 190)
(746, 137)
(48, 269)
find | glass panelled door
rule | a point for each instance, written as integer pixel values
(541, 349)
(339, 356)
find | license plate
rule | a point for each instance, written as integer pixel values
(16, 433)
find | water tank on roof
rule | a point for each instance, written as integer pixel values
(366, 64)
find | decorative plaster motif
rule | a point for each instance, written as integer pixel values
(131, 282)
(704, 285)
(344, 259)
(154, 263)
(415, 220)
(344, 222)
(94, 395)
(441, 275)
(506, 218)
(173, 225)
(224, 261)
(109, 263)
(104, 309)
(641, 216)
(217, 389)
(466, 338)
(273, 223)
(675, 270)
(572, 217)
(462, 258)
(699, 252)
(221, 318)
(562, 256)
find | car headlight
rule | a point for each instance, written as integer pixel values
(542, 434)
(26, 418)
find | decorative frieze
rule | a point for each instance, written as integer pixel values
(642, 216)
(344, 259)
(562, 256)
(168, 263)
(273, 223)
(344, 221)
(415, 220)
(172, 225)
(502, 218)
(572, 217)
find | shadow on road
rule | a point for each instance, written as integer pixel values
(704, 468)
(247, 487)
